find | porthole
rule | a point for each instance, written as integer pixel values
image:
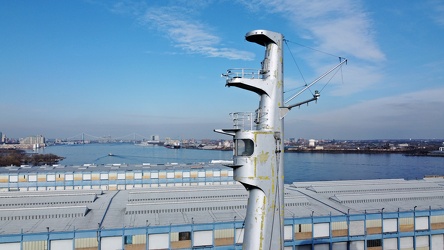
(244, 147)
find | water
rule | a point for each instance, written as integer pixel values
(325, 167)
(132, 154)
(298, 166)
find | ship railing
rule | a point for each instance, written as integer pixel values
(261, 118)
(243, 73)
(242, 120)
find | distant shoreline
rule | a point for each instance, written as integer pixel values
(367, 151)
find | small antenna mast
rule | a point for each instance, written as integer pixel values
(316, 95)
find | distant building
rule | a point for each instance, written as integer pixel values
(226, 144)
(200, 206)
(312, 143)
(2, 140)
(34, 141)
(155, 138)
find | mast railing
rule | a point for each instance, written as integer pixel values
(261, 118)
(243, 73)
(242, 120)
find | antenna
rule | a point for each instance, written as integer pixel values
(316, 96)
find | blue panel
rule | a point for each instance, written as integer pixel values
(321, 219)
(35, 237)
(10, 238)
(111, 232)
(61, 235)
(181, 228)
(339, 218)
(390, 215)
(202, 227)
(422, 213)
(405, 215)
(135, 231)
(85, 234)
(373, 216)
(437, 212)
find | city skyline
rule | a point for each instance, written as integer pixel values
(121, 67)
(145, 137)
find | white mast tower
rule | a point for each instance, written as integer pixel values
(258, 154)
(258, 159)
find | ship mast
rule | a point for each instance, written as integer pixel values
(258, 150)
(258, 159)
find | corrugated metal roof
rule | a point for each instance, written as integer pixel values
(55, 198)
(378, 187)
(108, 167)
(205, 204)
(388, 197)
(31, 213)
(156, 195)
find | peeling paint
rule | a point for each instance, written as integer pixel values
(263, 157)
(262, 223)
(255, 166)
(264, 178)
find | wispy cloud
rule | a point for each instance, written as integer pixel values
(340, 27)
(128, 7)
(437, 12)
(400, 116)
(188, 34)
(176, 20)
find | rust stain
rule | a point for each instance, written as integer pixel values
(263, 157)
(262, 223)
(273, 179)
(255, 166)
(264, 178)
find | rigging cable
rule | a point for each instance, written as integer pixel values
(294, 60)
(294, 89)
(333, 75)
(320, 51)
(242, 228)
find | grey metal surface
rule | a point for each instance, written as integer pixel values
(259, 165)
(203, 204)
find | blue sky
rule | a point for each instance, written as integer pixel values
(153, 67)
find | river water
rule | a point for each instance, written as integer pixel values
(298, 166)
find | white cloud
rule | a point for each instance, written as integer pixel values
(401, 116)
(127, 7)
(356, 78)
(189, 34)
(339, 27)
(437, 12)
